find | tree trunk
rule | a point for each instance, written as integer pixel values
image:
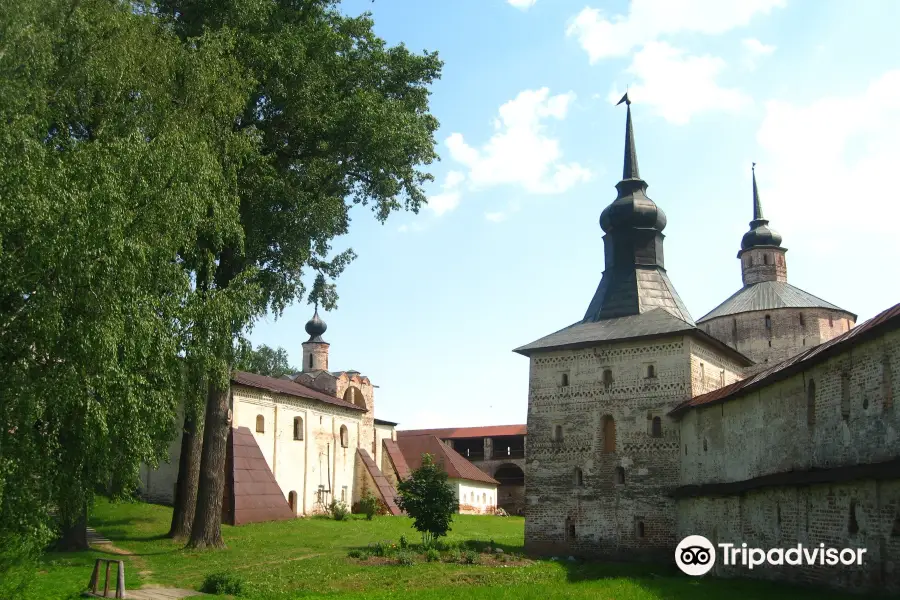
(74, 531)
(188, 475)
(207, 527)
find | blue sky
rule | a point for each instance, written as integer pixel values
(510, 249)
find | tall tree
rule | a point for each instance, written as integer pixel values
(343, 120)
(117, 150)
(264, 361)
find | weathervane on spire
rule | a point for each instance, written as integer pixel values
(625, 99)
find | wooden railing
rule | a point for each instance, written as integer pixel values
(120, 578)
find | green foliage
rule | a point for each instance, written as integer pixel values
(369, 504)
(407, 559)
(263, 360)
(404, 543)
(428, 499)
(454, 556)
(432, 555)
(224, 582)
(339, 510)
(357, 553)
(470, 557)
(386, 548)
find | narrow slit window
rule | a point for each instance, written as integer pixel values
(811, 403)
(565, 379)
(558, 433)
(579, 477)
(651, 372)
(298, 428)
(260, 424)
(620, 475)
(656, 427)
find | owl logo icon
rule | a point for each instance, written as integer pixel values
(695, 555)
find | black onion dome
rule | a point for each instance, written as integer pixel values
(760, 233)
(315, 327)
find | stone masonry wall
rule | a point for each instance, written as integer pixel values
(855, 420)
(790, 331)
(601, 489)
(864, 514)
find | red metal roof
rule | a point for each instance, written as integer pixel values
(457, 467)
(290, 388)
(886, 320)
(467, 432)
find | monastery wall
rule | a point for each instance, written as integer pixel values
(839, 412)
(603, 456)
(475, 498)
(786, 333)
(158, 485)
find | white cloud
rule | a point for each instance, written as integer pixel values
(450, 194)
(754, 50)
(522, 4)
(833, 163)
(678, 86)
(414, 227)
(520, 152)
(647, 20)
(495, 217)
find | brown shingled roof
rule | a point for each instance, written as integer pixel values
(457, 467)
(395, 455)
(884, 321)
(468, 432)
(288, 387)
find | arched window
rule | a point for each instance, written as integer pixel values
(607, 377)
(484, 498)
(557, 433)
(345, 437)
(620, 475)
(579, 477)
(640, 529)
(768, 323)
(651, 371)
(811, 403)
(260, 424)
(609, 434)
(298, 428)
(565, 379)
(292, 500)
(472, 497)
(656, 428)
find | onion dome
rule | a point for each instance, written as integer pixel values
(315, 327)
(760, 233)
(632, 209)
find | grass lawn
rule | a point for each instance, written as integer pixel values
(308, 558)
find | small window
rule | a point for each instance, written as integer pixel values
(802, 324)
(830, 321)
(811, 403)
(579, 477)
(887, 382)
(768, 323)
(639, 528)
(557, 433)
(651, 372)
(722, 377)
(565, 380)
(260, 424)
(853, 524)
(345, 437)
(656, 428)
(344, 493)
(484, 498)
(734, 327)
(570, 529)
(685, 449)
(765, 259)
(704, 445)
(298, 428)
(845, 396)
(607, 377)
(310, 361)
(620, 475)
(292, 501)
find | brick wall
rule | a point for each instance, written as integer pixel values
(789, 331)
(596, 513)
(812, 515)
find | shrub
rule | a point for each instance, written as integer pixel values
(470, 557)
(404, 543)
(405, 559)
(432, 555)
(370, 505)
(428, 499)
(339, 510)
(445, 545)
(223, 582)
(357, 553)
(455, 556)
(387, 548)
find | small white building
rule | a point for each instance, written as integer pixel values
(477, 491)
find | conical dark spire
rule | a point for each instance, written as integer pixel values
(630, 168)
(757, 207)
(760, 233)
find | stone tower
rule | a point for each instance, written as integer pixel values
(769, 319)
(603, 454)
(315, 349)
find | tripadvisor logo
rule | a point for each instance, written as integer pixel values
(696, 555)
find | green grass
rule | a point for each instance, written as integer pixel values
(308, 558)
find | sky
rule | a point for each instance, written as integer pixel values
(509, 248)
